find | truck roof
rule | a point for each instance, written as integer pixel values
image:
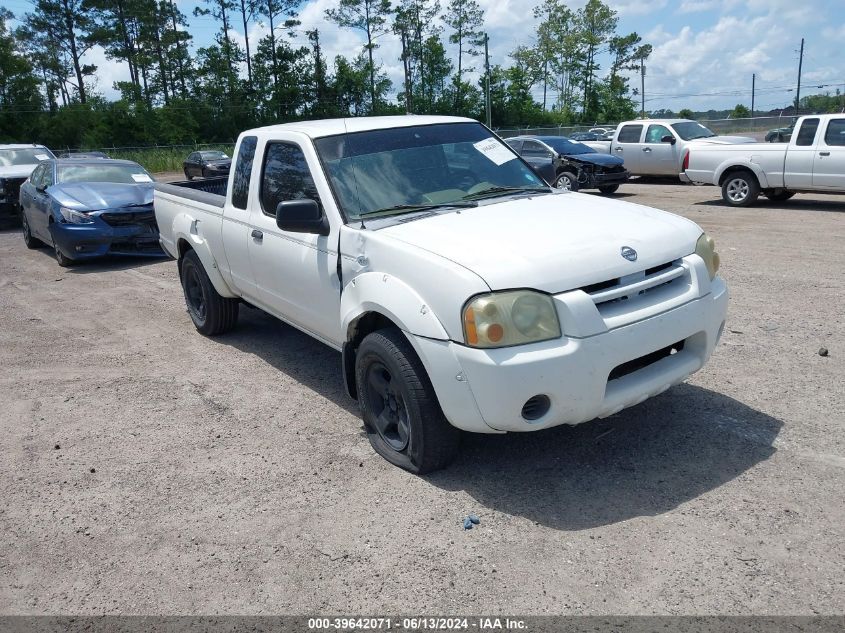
(332, 127)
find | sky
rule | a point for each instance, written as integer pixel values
(705, 51)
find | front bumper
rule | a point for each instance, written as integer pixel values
(584, 377)
(608, 179)
(85, 241)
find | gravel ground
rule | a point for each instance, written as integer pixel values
(147, 469)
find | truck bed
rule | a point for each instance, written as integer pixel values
(207, 190)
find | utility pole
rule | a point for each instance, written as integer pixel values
(487, 72)
(800, 64)
(642, 86)
(753, 88)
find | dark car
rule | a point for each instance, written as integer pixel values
(92, 154)
(207, 164)
(781, 134)
(89, 208)
(586, 136)
(570, 165)
(16, 164)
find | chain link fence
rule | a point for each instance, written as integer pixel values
(755, 127)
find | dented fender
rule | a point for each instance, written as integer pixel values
(191, 230)
(390, 296)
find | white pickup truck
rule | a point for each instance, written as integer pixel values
(813, 161)
(463, 292)
(656, 147)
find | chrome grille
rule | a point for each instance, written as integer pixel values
(636, 284)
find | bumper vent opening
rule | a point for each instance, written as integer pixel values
(625, 369)
(536, 407)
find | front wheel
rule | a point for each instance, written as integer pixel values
(779, 195)
(402, 417)
(740, 189)
(211, 313)
(567, 182)
(608, 189)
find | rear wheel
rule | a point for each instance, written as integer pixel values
(211, 313)
(567, 181)
(740, 189)
(402, 417)
(779, 195)
(28, 238)
(608, 189)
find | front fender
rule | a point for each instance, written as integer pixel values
(744, 163)
(189, 230)
(390, 296)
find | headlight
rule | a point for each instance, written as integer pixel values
(705, 248)
(502, 319)
(75, 217)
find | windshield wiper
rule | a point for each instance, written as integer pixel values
(493, 192)
(401, 209)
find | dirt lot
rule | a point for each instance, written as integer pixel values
(147, 469)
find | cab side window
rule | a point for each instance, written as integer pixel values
(835, 134)
(656, 133)
(807, 133)
(534, 149)
(630, 134)
(243, 171)
(286, 176)
(36, 175)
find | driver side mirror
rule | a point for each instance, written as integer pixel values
(41, 187)
(669, 139)
(301, 216)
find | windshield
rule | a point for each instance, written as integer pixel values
(129, 174)
(214, 155)
(691, 130)
(25, 156)
(567, 147)
(383, 170)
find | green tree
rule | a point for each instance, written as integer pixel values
(370, 16)
(465, 18)
(560, 50)
(740, 112)
(686, 113)
(20, 97)
(597, 23)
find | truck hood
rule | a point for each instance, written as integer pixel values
(554, 242)
(727, 140)
(96, 196)
(17, 171)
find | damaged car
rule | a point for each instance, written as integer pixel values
(571, 165)
(90, 208)
(16, 163)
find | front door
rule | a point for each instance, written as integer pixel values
(660, 158)
(829, 158)
(296, 273)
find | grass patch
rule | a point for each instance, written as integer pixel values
(158, 159)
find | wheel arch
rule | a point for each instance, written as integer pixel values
(724, 172)
(189, 241)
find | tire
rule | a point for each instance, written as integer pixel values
(567, 181)
(63, 260)
(402, 417)
(609, 189)
(211, 313)
(779, 195)
(31, 241)
(740, 189)
(187, 175)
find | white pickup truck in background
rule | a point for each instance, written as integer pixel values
(813, 161)
(463, 292)
(656, 147)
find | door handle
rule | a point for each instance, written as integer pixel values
(618, 149)
(647, 149)
(257, 235)
(824, 153)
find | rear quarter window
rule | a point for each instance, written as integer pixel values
(630, 134)
(243, 171)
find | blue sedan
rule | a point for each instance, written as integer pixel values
(89, 208)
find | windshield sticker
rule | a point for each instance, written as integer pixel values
(494, 150)
(42, 157)
(141, 178)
